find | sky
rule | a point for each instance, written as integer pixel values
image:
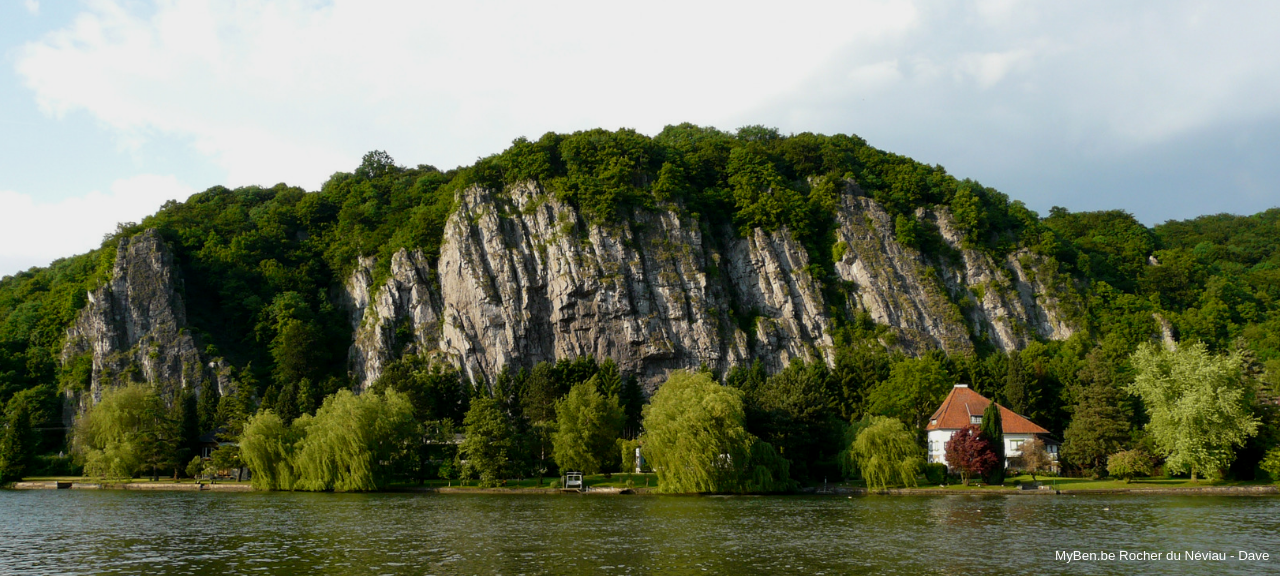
(1167, 109)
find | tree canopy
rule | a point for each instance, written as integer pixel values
(1198, 403)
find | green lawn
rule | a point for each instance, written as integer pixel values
(162, 480)
(597, 480)
(1089, 484)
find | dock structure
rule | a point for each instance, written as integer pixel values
(573, 482)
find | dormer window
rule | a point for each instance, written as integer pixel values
(976, 420)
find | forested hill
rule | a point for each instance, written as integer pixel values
(881, 279)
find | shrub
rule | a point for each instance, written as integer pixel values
(935, 473)
(1128, 464)
(1271, 464)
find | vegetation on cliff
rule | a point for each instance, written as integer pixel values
(260, 266)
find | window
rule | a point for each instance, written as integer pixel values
(975, 420)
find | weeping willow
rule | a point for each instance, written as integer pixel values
(696, 441)
(886, 454)
(109, 439)
(348, 446)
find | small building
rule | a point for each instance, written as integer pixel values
(964, 407)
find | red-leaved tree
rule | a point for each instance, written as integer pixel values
(970, 453)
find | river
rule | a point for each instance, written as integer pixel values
(117, 532)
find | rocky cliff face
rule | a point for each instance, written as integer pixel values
(133, 326)
(522, 279)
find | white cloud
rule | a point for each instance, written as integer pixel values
(33, 6)
(35, 233)
(989, 68)
(294, 90)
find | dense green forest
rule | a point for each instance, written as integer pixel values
(260, 266)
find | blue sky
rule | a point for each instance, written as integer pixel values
(1166, 109)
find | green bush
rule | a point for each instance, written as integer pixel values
(935, 473)
(1129, 464)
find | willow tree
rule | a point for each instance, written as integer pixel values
(352, 441)
(588, 424)
(1199, 406)
(119, 435)
(696, 440)
(267, 447)
(886, 453)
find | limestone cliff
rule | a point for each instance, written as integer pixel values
(133, 326)
(523, 278)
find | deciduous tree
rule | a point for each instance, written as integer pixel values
(969, 453)
(886, 453)
(588, 424)
(1198, 404)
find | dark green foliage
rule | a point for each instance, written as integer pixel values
(207, 407)
(993, 430)
(487, 451)
(434, 388)
(19, 439)
(1020, 391)
(793, 412)
(1100, 422)
(259, 266)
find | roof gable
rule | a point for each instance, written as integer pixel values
(963, 402)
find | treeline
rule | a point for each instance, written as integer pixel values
(259, 266)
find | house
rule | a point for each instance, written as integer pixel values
(964, 407)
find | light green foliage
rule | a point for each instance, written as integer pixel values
(487, 451)
(696, 440)
(268, 448)
(1129, 464)
(124, 432)
(351, 443)
(588, 424)
(195, 468)
(914, 389)
(225, 458)
(886, 454)
(627, 452)
(1198, 404)
(1271, 464)
(258, 264)
(694, 431)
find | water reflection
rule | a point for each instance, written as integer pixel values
(44, 532)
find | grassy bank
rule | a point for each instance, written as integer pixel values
(1074, 484)
(594, 481)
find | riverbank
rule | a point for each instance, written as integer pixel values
(626, 485)
(141, 486)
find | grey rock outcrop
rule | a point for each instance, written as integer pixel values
(133, 326)
(893, 282)
(523, 278)
(401, 314)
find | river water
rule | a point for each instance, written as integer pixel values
(113, 532)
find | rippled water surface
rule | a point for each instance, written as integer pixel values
(91, 532)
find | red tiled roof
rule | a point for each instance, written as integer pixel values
(963, 402)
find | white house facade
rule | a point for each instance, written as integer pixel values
(963, 407)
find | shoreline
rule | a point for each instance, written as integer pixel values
(1249, 490)
(138, 486)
